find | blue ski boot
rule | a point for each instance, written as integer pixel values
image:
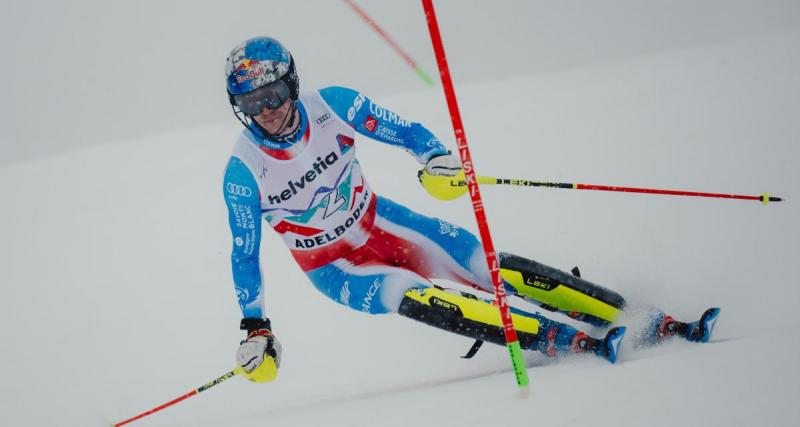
(701, 330)
(607, 348)
(664, 326)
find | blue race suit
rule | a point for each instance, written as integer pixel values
(359, 249)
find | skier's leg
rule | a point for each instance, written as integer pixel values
(378, 288)
(556, 290)
(440, 250)
(431, 247)
(437, 249)
(372, 288)
(466, 315)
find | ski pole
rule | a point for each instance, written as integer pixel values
(512, 342)
(196, 391)
(449, 188)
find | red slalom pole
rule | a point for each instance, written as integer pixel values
(512, 342)
(194, 392)
(390, 41)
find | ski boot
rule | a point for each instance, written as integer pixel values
(607, 348)
(664, 327)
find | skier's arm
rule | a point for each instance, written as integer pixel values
(371, 120)
(244, 214)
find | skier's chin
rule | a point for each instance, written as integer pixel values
(274, 121)
(271, 126)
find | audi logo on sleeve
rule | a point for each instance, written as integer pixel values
(239, 190)
(320, 120)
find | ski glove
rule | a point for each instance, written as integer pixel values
(259, 355)
(443, 165)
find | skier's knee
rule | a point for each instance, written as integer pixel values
(378, 294)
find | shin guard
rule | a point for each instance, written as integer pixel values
(465, 315)
(556, 290)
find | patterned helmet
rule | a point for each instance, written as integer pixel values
(258, 62)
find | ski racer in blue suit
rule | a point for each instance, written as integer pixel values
(294, 164)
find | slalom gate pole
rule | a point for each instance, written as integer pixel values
(390, 41)
(520, 371)
(450, 186)
(194, 392)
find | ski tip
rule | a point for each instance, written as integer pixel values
(612, 343)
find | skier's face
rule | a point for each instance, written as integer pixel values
(273, 121)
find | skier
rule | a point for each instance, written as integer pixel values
(295, 165)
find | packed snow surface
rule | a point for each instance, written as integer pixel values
(117, 292)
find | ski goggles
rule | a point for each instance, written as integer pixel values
(271, 96)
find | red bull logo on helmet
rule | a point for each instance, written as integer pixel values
(249, 73)
(262, 72)
(246, 64)
(255, 63)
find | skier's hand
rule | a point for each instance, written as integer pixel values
(259, 355)
(443, 165)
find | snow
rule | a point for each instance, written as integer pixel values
(117, 293)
